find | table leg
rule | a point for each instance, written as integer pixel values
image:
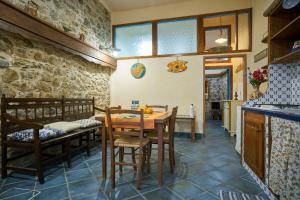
(193, 127)
(104, 150)
(159, 128)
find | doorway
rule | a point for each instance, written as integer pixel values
(225, 80)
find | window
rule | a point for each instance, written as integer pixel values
(219, 32)
(134, 40)
(217, 39)
(201, 34)
(177, 36)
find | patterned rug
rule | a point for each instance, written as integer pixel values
(238, 196)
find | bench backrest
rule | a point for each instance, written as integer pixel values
(47, 110)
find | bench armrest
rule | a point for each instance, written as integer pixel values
(23, 124)
(99, 109)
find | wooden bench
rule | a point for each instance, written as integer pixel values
(33, 113)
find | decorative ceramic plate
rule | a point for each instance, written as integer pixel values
(289, 4)
(177, 66)
(138, 70)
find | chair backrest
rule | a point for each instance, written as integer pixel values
(159, 107)
(116, 127)
(115, 107)
(172, 123)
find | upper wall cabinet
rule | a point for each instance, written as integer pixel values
(226, 32)
(284, 33)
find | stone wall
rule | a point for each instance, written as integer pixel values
(89, 17)
(41, 70)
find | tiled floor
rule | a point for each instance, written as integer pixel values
(202, 169)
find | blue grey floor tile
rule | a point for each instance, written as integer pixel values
(54, 193)
(122, 191)
(79, 175)
(202, 169)
(186, 189)
(205, 181)
(205, 196)
(84, 187)
(51, 181)
(161, 194)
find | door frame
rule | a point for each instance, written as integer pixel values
(244, 56)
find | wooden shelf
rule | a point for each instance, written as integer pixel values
(265, 67)
(17, 21)
(289, 58)
(265, 40)
(291, 31)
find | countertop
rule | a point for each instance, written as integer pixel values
(292, 114)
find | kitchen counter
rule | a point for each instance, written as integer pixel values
(292, 114)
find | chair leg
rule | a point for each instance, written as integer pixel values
(173, 154)
(133, 158)
(144, 158)
(148, 157)
(171, 159)
(39, 166)
(113, 166)
(4, 160)
(163, 150)
(87, 144)
(121, 158)
(68, 152)
(139, 169)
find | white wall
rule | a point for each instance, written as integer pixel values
(181, 9)
(159, 86)
(260, 27)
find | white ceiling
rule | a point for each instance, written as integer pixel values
(121, 5)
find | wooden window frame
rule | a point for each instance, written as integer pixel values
(200, 34)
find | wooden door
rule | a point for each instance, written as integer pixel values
(254, 144)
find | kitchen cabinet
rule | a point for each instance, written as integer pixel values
(254, 142)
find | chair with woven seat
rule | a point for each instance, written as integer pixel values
(121, 139)
(168, 138)
(158, 107)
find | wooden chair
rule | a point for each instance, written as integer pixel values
(168, 138)
(155, 107)
(134, 140)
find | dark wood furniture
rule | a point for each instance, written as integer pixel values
(284, 30)
(168, 138)
(160, 124)
(192, 120)
(31, 113)
(133, 139)
(254, 142)
(17, 21)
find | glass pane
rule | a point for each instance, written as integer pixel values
(134, 40)
(243, 31)
(227, 20)
(217, 39)
(175, 37)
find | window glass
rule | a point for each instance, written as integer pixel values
(220, 26)
(177, 36)
(134, 40)
(243, 31)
